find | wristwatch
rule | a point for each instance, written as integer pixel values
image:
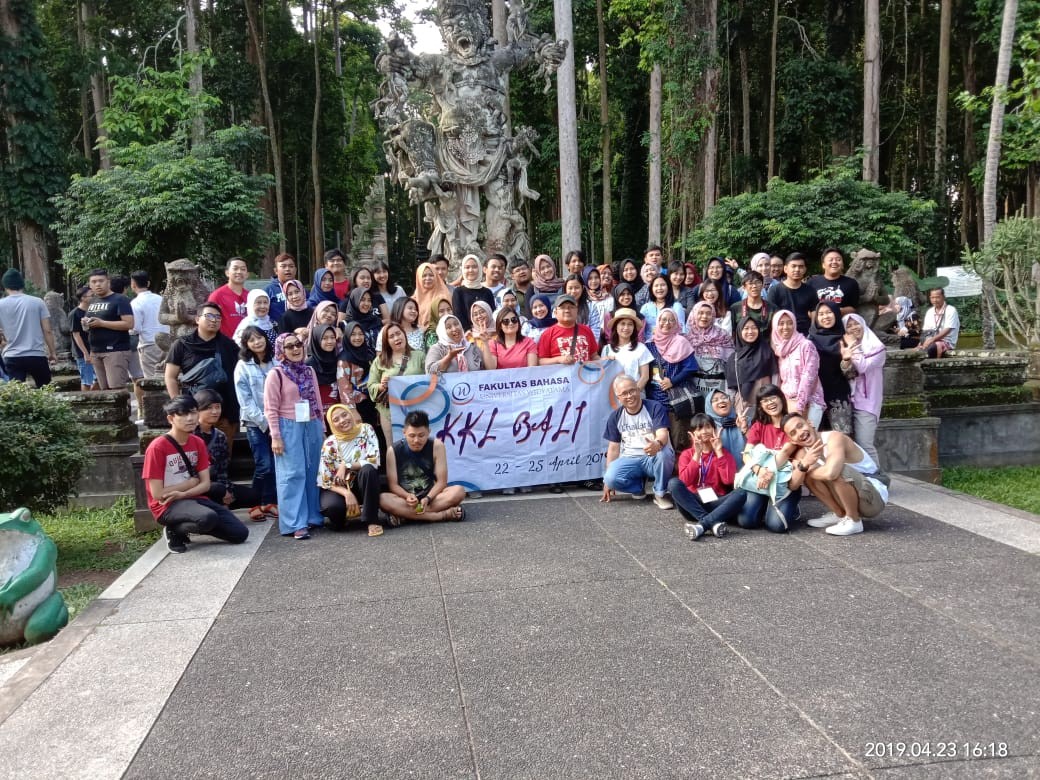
(802, 467)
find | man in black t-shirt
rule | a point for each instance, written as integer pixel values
(417, 477)
(832, 285)
(108, 321)
(793, 294)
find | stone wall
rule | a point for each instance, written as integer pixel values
(112, 438)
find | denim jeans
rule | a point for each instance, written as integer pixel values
(627, 473)
(707, 514)
(86, 372)
(296, 475)
(263, 464)
(759, 510)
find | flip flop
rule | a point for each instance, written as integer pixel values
(461, 516)
(375, 530)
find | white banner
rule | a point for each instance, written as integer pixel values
(514, 427)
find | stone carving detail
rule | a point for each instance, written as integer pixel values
(369, 241)
(59, 323)
(451, 151)
(184, 293)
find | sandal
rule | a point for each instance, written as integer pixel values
(271, 510)
(256, 514)
(303, 533)
(393, 521)
(375, 530)
(458, 514)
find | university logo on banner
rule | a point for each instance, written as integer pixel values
(514, 427)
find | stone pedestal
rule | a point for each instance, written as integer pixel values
(112, 439)
(907, 437)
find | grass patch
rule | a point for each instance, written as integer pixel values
(78, 596)
(1017, 486)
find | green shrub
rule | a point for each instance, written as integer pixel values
(43, 450)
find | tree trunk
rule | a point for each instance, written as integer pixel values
(198, 123)
(711, 101)
(317, 216)
(499, 14)
(97, 80)
(745, 110)
(570, 183)
(771, 156)
(996, 131)
(654, 185)
(32, 247)
(871, 90)
(606, 153)
(942, 96)
(252, 12)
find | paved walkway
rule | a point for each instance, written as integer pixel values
(555, 637)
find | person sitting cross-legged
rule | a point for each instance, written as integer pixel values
(838, 472)
(417, 475)
(176, 480)
(638, 445)
(348, 480)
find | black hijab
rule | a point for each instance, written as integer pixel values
(372, 322)
(751, 361)
(358, 356)
(828, 344)
(324, 363)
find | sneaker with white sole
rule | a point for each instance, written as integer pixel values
(825, 521)
(694, 531)
(175, 542)
(847, 527)
(720, 530)
(663, 502)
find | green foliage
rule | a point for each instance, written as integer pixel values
(31, 158)
(1017, 486)
(163, 201)
(834, 209)
(44, 451)
(1008, 261)
(94, 539)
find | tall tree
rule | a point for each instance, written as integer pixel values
(871, 90)
(87, 15)
(317, 213)
(710, 100)
(654, 198)
(570, 182)
(942, 96)
(605, 151)
(191, 13)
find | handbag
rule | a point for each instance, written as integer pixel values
(778, 487)
(682, 400)
(207, 373)
(383, 396)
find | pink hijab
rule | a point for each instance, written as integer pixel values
(711, 341)
(674, 348)
(780, 347)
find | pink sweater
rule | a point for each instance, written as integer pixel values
(868, 389)
(280, 398)
(800, 376)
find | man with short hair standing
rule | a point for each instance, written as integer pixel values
(108, 321)
(26, 326)
(833, 285)
(520, 273)
(206, 359)
(284, 270)
(753, 306)
(231, 297)
(495, 276)
(145, 305)
(637, 445)
(793, 294)
(336, 264)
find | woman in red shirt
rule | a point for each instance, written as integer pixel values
(770, 405)
(703, 491)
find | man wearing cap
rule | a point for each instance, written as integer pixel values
(26, 326)
(567, 341)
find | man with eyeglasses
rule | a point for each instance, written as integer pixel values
(206, 359)
(637, 445)
(754, 305)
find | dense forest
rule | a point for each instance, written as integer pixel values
(139, 131)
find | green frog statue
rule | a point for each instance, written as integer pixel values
(31, 609)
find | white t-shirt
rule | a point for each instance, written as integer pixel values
(948, 319)
(634, 428)
(630, 359)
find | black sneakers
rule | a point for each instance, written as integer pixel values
(176, 542)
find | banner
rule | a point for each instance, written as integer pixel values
(514, 427)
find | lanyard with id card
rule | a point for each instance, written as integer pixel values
(303, 411)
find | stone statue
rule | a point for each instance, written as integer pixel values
(865, 268)
(59, 323)
(457, 147)
(184, 293)
(31, 609)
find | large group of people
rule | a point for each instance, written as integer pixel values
(738, 386)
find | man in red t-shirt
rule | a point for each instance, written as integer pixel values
(567, 341)
(176, 479)
(336, 263)
(231, 297)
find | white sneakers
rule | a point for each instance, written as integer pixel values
(847, 527)
(825, 521)
(663, 502)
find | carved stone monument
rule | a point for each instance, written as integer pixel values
(369, 241)
(457, 149)
(59, 323)
(184, 293)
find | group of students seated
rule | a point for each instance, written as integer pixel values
(312, 384)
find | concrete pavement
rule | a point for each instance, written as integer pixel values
(556, 637)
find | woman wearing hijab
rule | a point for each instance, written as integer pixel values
(452, 352)
(471, 289)
(324, 288)
(429, 287)
(719, 407)
(628, 272)
(258, 306)
(355, 362)
(599, 297)
(711, 346)
(673, 375)
(541, 317)
(297, 312)
(749, 368)
(363, 278)
(439, 307)
(348, 478)
(359, 308)
(544, 279)
(798, 367)
(864, 355)
(827, 334)
(607, 279)
(293, 410)
(325, 313)
(323, 356)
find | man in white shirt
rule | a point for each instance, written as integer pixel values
(495, 276)
(145, 305)
(941, 326)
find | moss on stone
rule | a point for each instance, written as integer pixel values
(904, 408)
(960, 397)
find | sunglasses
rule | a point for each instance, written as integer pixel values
(293, 345)
(510, 321)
